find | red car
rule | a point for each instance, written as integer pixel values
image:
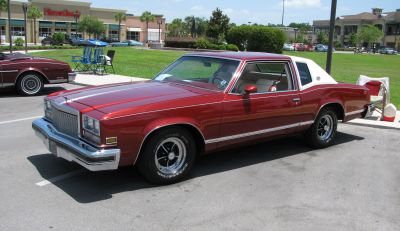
(303, 47)
(199, 104)
(29, 74)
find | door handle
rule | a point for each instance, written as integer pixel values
(296, 100)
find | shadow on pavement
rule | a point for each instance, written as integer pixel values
(96, 186)
(12, 92)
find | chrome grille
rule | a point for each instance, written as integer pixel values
(64, 122)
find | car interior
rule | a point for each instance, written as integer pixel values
(267, 77)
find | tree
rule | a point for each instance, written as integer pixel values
(353, 39)
(91, 25)
(301, 26)
(176, 28)
(3, 7)
(322, 38)
(147, 17)
(119, 17)
(218, 25)
(34, 13)
(369, 34)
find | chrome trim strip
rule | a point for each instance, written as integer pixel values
(355, 112)
(9, 71)
(7, 85)
(259, 132)
(75, 150)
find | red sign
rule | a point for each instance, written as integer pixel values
(61, 13)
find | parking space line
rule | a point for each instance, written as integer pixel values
(18, 120)
(59, 178)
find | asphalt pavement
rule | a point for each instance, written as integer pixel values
(276, 185)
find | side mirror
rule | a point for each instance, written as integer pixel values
(250, 89)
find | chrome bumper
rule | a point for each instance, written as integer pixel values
(71, 76)
(75, 150)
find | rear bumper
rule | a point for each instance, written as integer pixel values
(370, 109)
(75, 150)
(71, 76)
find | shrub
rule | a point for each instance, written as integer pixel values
(203, 43)
(58, 38)
(19, 42)
(232, 47)
(180, 42)
(257, 38)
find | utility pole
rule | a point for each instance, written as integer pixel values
(9, 25)
(331, 31)
(283, 10)
(25, 9)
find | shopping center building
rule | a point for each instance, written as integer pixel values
(61, 16)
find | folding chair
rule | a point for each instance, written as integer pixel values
(109, 60)
(98, 59)
(82, 63)
(379, 90)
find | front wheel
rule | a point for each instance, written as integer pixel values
(168, 156)
(323, 131)
(30, 84)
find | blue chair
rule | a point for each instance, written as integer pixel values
(98, 59)
(82, 63)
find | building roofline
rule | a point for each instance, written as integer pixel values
(107, 10)
(63, 2)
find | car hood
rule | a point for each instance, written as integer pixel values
(140, 96)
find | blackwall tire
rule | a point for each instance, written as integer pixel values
(323, 131)
(168, 156)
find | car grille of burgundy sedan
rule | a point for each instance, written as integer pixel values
(64, 122)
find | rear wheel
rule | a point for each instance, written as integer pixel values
(168, 156)
(30, 84)
(323, 131)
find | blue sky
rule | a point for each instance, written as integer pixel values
(258, 11)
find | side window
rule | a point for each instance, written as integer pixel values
(266, 76)
(305, 76)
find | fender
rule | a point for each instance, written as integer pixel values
(160, 123)
(325, 102)
(27, 69)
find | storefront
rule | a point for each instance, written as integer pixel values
(61, 16)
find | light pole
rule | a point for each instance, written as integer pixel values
(159, 22)
(25, 9)
(331, 31)
(76, 16)
(295, 34)
(9, 25)
(283, 11)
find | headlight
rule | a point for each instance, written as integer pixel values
(91, 125)
(47, 108)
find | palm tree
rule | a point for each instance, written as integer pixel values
(119, 17)
(147, 17)
(34, 13)
(3, 7)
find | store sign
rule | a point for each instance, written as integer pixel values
(61, 13)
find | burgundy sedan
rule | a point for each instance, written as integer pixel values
(29, 74)
(199, 104)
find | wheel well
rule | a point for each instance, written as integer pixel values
(197, 136)
(337, 108)
(45, 80)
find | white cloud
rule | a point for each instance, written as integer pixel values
(228, 10)
(302, 3)
(197, 8)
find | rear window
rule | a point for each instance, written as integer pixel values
(305, 76)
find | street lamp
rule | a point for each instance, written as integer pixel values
(283, 10)
(331, 31)
(76, 16)
(159, 22)
(25, 9)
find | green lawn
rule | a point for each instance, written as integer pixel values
(345, 67)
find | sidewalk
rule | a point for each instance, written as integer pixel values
(374, 121)
(89, 79)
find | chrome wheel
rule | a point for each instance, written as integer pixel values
(170, 156)
(31, 84)
(325, 127)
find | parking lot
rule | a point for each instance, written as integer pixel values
(277, 185)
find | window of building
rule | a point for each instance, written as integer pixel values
(304, 72)
(113, 35)
(350, 30)
(153, 36)
(44, 31)
(133, 35)
(18, 30)
(3, 30)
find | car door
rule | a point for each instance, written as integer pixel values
(272, 110)
(9, 71)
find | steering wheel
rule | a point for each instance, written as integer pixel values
(221, 83)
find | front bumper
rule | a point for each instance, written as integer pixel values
(71, 76)
(76, 150)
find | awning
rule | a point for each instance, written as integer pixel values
(61, 24)
(113, 27)
(45, 24)
(3, 22)
(16, 22)
(154, 30)
(136, 29)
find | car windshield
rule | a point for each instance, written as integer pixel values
(205, 72)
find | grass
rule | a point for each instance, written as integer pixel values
(345, 67)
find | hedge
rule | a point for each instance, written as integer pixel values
(257, 38)
(21, 48)
(201, 43)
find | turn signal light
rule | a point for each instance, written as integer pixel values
(111, 140)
